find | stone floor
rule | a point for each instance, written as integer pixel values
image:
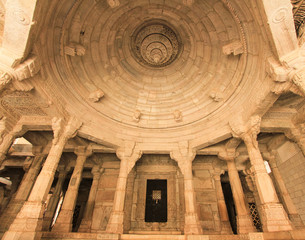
(295, 235)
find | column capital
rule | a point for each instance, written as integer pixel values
(65, 129)
(27, 163)
(97, 170)
(183, 153)
(271, 158)
(83, 151)
(228, 155)
(244, 129)
(129, 155)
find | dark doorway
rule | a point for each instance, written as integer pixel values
(156, 201)
(227, 192)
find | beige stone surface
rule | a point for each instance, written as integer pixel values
(188, 91)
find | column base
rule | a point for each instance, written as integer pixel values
(274, 218)
(244, 224)
(27, 224)
(192, 225)
(9, 214)
(85, 226)
(226, 228)
(115, 223)
(63, 222)
(296, 221)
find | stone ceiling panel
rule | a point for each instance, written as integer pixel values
(154, 71)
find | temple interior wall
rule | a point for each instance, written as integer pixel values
(291, 163)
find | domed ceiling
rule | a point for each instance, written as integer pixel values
(154, 71)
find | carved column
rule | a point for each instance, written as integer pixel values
(222, 207)
(244, 221)
(49, 214)
(274, 217)
(287, 201)
(65, 217)
(184, 156)
(128, 156)
(85, 225)
(25, 187)
(28, 223)
(6, 140)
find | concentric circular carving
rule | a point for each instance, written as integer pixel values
(155, 44)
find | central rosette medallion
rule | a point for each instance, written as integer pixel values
(155, 44)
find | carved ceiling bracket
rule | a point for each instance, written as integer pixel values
(286, 78)
(27, 69)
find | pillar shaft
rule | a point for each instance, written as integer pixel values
(128, 156)
(49, 214)
(28, 223)
(85, 225)
(222, 207)
(184, 157)
(22, 193)
(244, 221)
(65, 217)
(274, 217)
(291, 209)
(115, 224)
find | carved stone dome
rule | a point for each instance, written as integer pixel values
(146, 71)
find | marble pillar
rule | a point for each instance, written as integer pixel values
(128, 157)
(65, 217)
(28, 223)
(24, 189)
(222, 207)
(53, 202)
(8, 139)
(273, 216)
(184, 158)
(244, 221)
(287, 201)
(85, 225)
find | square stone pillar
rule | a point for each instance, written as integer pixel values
(65, 217)
(184, 156)
(85, 225)
(24, 189)
(222, 207)
(273, 215)
(28, 223)
(49, 213)
(287, 201)
(128, 156)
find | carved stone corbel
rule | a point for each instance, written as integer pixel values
(188, 2)
(113, 3)
(235, 48)
(74, 49)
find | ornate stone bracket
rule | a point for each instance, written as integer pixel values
(27, 69)
(128, 155)
(74, 49)
(285, 78)
(66, 129)
(246, 130)
(113, 3)
(184, 156)
(235, 48)
(96, 95)
(188, 2)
